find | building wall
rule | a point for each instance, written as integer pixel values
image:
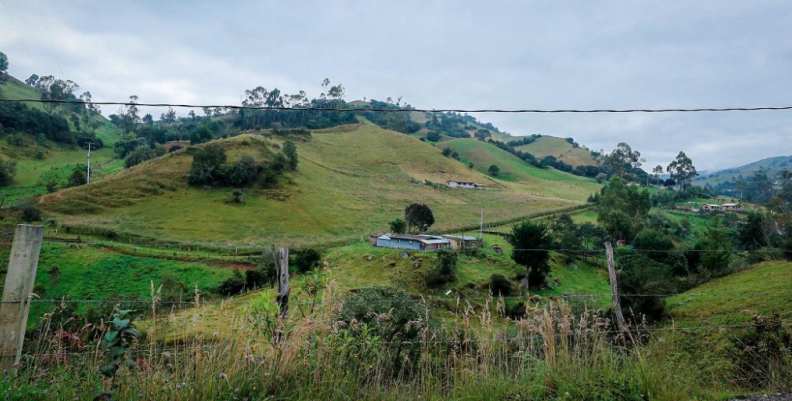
(399, 244)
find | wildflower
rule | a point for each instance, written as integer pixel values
(223, 375)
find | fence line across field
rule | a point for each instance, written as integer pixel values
(18, 295)
(422, 300)
(614, 334)
(263, 248)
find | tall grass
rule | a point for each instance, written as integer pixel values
(474, 354)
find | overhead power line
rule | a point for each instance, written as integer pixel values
(401, 110)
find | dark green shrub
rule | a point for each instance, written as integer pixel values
(207, 166)
(500, 285)
(7, 172)
(232, 285)
(403, 317)
(143, 153)
(641, 275)
(77, 177)
(445, 272)
(244, 173)
(763, 353)
(531, 242)
(306, 259)
(30, 213)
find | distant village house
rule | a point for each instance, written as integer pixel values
(462, 242)
(726, 207)
(176, 144)
(428, 243)
(463, 184)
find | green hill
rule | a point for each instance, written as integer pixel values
(39, 160)
(350, 182)
(512, 168)
(561, 149)
(773, 165)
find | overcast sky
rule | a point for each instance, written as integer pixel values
(445, 54)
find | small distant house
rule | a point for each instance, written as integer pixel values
(176, 144)
(731, 207)
(711, 207)
(460, 242)
(463, 184)
(428, 243)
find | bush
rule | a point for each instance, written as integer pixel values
(643, 275)
(207, 166)
(237, 197)
(306, 259)
(77, 177)
(445, 272)
(433, 136)
(143, 153)
(173, 290)
(7, 172)
(30, 213)
(763, 354)
(531, 242)
(232, 285)
(386, 312)
(397, 226)
(500, 285)
(655, 244)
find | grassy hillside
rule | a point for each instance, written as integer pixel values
(773, 165)
(40, 161)
(513, 169)
(561, 149)
(350, 182)
(734, 299)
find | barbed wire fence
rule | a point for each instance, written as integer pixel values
(18, 297)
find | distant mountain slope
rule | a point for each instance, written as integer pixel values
(512, 168)
(351, 181)
(773, 165)
(40, 161)
(561, 149)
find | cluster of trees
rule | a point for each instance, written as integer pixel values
(448, 152)
(455, 125)
(18, 117)
(209, 168)
(758, 188)
(399, 122)
(524, 140)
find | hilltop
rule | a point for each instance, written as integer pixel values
(350, 182)
(566, 150)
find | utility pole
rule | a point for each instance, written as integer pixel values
(88, 172)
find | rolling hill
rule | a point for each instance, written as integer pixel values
(561, 149)
(350, 182)
(512, 168)
(773, 165)
(39, 160)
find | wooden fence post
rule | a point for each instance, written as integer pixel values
(615, 290)
(282, 268)
(19, 282)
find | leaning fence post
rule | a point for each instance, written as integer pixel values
(282, 268)
(615, 290)
(19, 282)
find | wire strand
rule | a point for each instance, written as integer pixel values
(402, 110)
